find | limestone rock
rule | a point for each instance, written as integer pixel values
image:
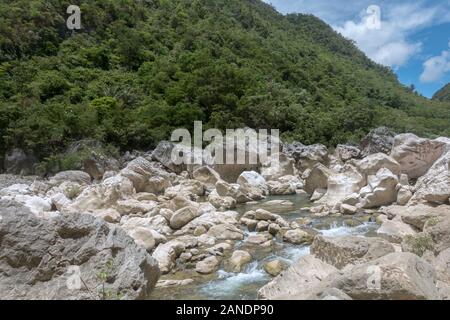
(208, 265)
(377, 140)
(416, 155)
(79, 177)
(104, 195)
(221, 203)
(395, 230)
(274, 267)
(286, 166)
(371, 164)
(382, 188)
(342, 185)
(347, 152)
(396, 276)
(434, 186)
(51, 253)
(143, 237)
(318, 178)
(239, 259)
(226, 232)
(342, 251)
(167, 253)
(183, 216)
(297, 281)
(297, 236)
(439, 231)
(207, 176)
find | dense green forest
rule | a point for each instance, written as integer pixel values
(443, 94)
(140, 68)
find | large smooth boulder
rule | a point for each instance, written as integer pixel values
(226, 232)
(47, 258)
(167, 253)
(139, 171)
(208, 265)
(207, 176)
(442, 266)
(278, 188)
(188, 188)
(239, 259)
(434, 186)
(157, 223)
(396, 276)
(342, 185)
(286, 166)
(132, 206)
(297, 281)
(377, 140)
(104, 195)
(298, 236)
(381, 189)
(417, 215)
(317, 178)
(395, 230)
(342, 251)
(221, 203)
(183, 216)
(274, 267)
(371, 164)
(252, 183)
(143, 237)
(231, 170)
(416, 155)
(235, 191)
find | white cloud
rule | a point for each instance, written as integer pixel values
(390, 45)
(436, 67)
(386, 45)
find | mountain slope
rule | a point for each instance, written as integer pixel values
(443, 94)
(139, 69)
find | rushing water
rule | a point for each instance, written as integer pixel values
(245, 285)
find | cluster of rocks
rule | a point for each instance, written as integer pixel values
(407, 181)
(180, 219)
(352, 267)
(415, 171)
(175, 217)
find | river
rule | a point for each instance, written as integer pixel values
(225, 285)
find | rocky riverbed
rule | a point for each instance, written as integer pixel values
(357, 222)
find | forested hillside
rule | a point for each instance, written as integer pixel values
(139, 69)
(443, 94)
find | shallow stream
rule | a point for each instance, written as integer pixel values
(245, 285)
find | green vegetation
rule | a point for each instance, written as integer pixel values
(419, 244)
(443, 94)
(139, 69)
(104, 276)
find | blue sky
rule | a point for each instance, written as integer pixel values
(412, 37)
